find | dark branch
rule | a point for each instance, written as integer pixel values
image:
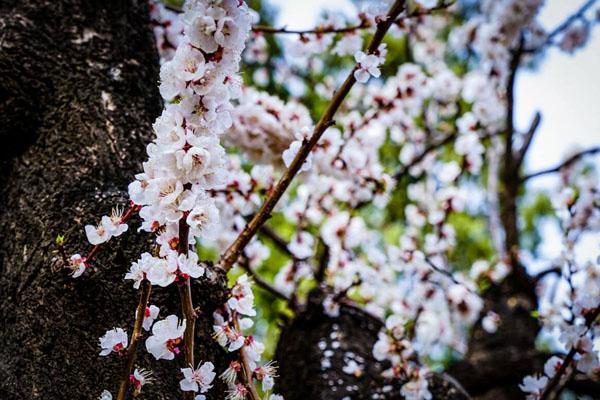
(555, 386)
(277, 240)
(351, 28)
(562, 27)
(535, 123)
(568, 162)
(260, 282)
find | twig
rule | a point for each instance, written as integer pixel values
(140, 312)
(540, 275)
(555, 386)
(326, 120)
(433, 146)
(277, 240)
(332, 29)
(535, 123)
(575, 157)
(247, 373)
(261, 282)
(187, 305)
(562, 27)
(318, 30)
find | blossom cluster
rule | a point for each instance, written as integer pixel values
(186, 163)
(229, 325)
(572, 298)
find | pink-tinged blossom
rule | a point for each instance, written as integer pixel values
(226, 335)
(109, 227)
(150, 314)
(166, 339)
(331, 307)
(237, 392)
(575, 36)
(186, 265)
(552, 366)
(138, 379)
(198, 379)
(161, 272)
(77, 265)
(114, 340)
(416, 389)
(253, 348)
(367, 66)
(290, 154)
(242, 298)
(534, 386)
(490, 322)
(229, 376)
(266, 373)
(302, 244)
(105, 395)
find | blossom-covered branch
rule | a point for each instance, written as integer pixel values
(326, 120)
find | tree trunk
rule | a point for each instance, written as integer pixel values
(314, 348)
(78, 94)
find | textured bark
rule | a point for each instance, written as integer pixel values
(314, 348)
(78, 94)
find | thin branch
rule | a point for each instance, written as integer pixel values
(247, 373)
(433, 146)
(555, 385)
(187, 305)
(540, 275)
(332, 29)
(261, 282)
(563, 26)
(140, 312)
(535, 123)
(318, 30)
(569, 161)
(326, 120)
(277, 240)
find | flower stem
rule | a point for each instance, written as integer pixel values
(146, 288)
(187, 305)
(247, 375)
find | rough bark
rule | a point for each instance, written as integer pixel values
(78, 94)
(314, 348)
